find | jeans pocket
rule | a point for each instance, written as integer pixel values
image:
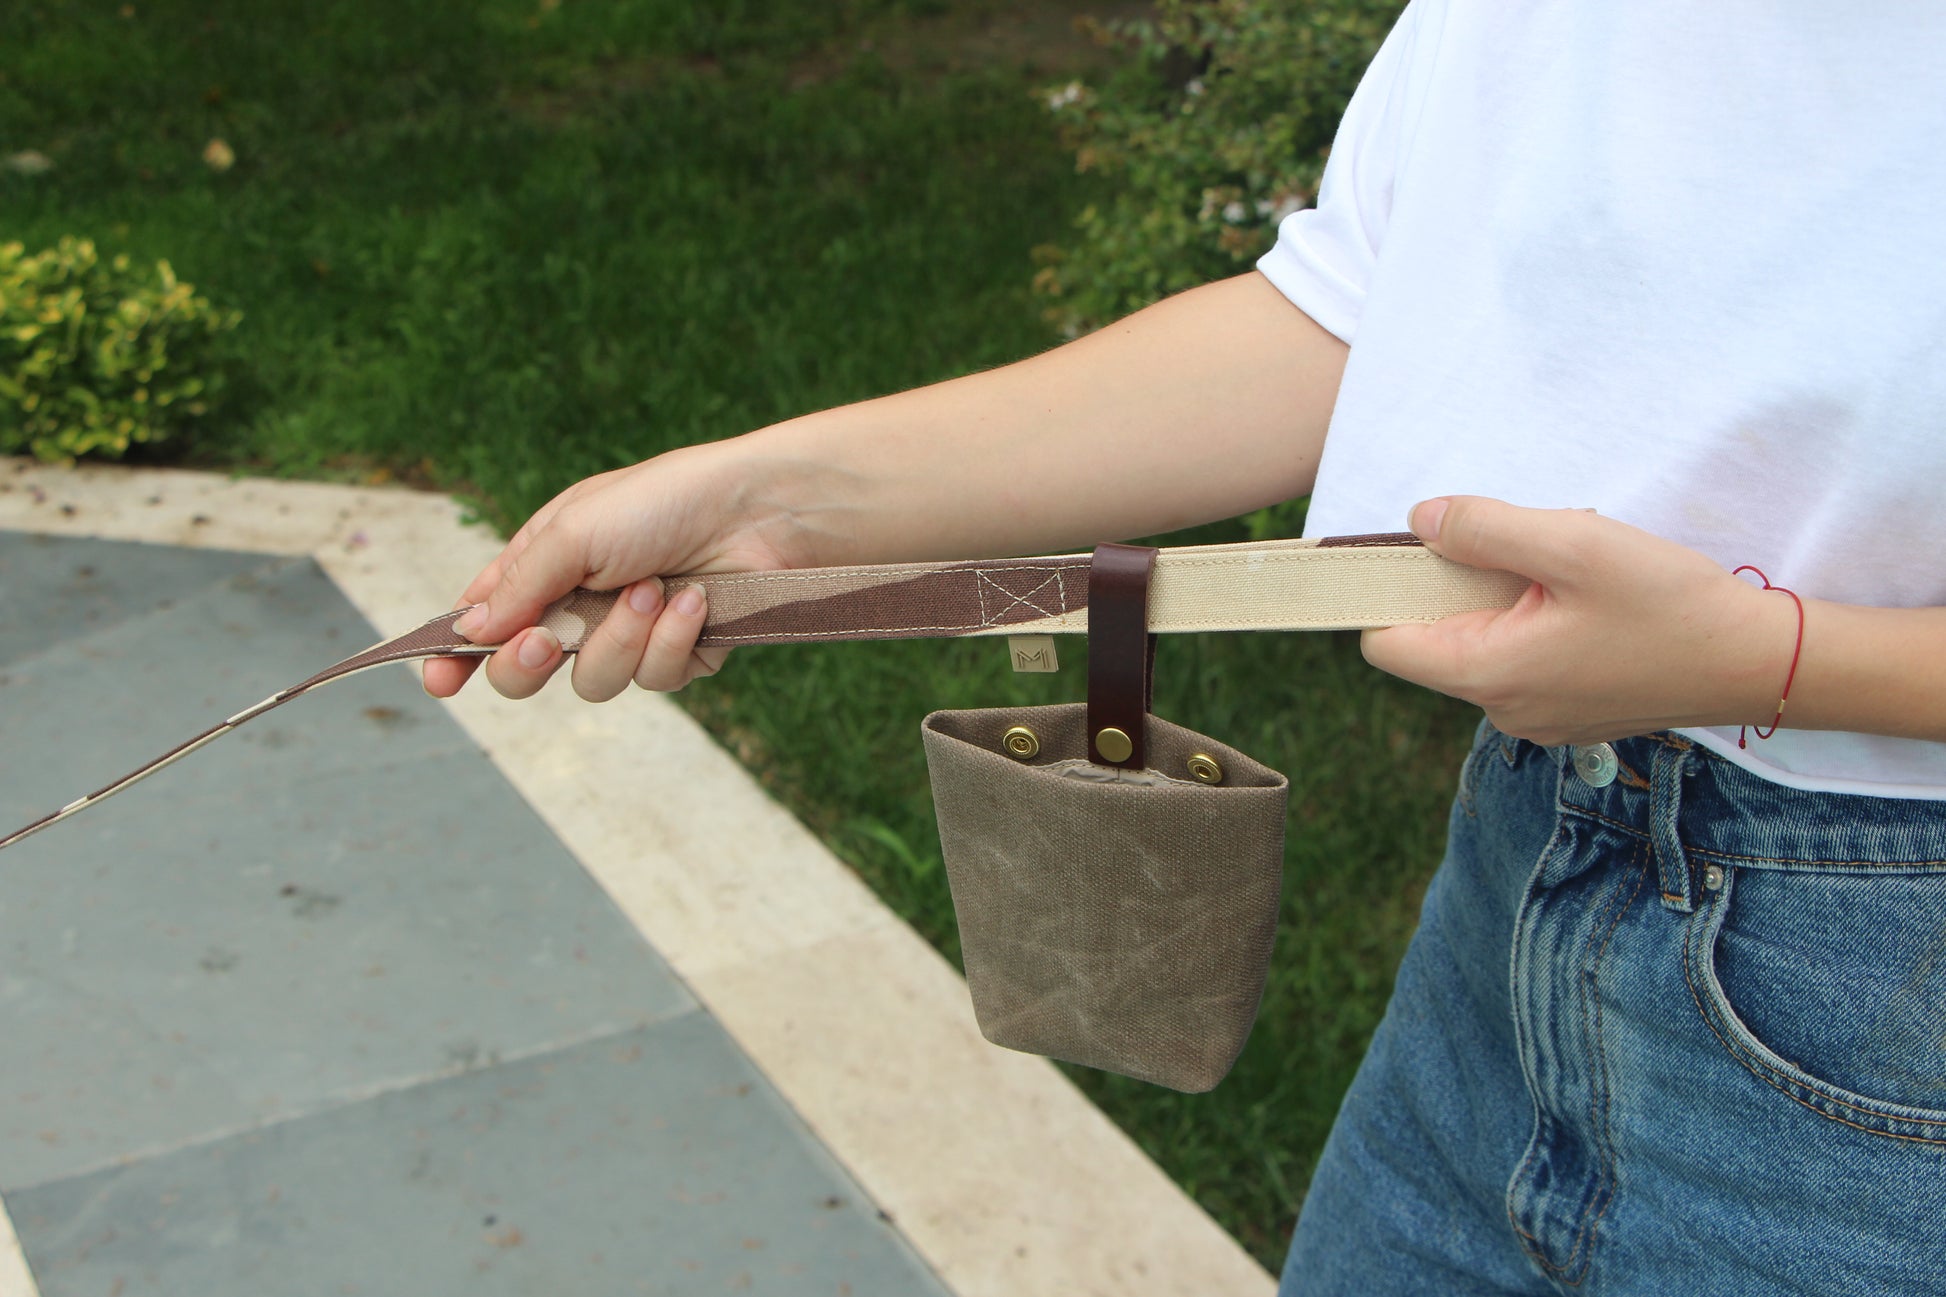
(1830, 987)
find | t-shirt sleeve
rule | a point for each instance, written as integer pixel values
(1324, 255)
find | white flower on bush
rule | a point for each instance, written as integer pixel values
(1276, 209)
(1067, 96)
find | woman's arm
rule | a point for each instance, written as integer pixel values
(1203, 406)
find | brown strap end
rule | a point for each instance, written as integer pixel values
(1121, 655)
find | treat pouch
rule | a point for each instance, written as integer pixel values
(1116, 877)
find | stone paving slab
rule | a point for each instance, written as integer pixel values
(318, 908)
(652, 1162)
(163, 666)
(325, 947)
(83, 585)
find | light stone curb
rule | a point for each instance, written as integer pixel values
(15, 1279)
(996, 1169)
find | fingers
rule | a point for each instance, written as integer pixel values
(524, 663)
(648, 642)
(1433, 654)
(607, 662)
(444, 677)
(671, 658)
(1552, 546)
(640, 640)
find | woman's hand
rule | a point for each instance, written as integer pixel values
(686, 511)
(1621, 633)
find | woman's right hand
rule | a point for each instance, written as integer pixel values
(686, 511)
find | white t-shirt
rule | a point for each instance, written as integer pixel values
(1681, 263)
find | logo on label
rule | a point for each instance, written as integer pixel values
(1033, 653)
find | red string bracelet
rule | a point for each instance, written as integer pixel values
(1796, 653)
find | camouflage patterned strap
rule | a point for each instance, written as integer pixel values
(1338, 584)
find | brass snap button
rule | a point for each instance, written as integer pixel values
(1205, 769)
(1021, 743)
(1114, 745)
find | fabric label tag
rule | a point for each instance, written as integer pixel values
(1032, 653)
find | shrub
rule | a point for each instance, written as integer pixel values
(96, 356)
(1217, 130)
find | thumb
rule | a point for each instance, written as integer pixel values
(550, 565)
(1551, 546)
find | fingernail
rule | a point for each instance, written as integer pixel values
(475, 618)
(1426, 518)
(645, 596)
(689, 602)
(538, 647)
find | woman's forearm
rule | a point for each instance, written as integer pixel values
(1203, 406)
(1869, 670)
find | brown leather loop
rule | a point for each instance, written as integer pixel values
(1369, 539)
(1121, 652)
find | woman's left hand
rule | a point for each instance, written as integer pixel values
(1621, 633)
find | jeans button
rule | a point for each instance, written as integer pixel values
(1596, 764)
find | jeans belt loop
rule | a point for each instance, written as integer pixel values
(1665, 809)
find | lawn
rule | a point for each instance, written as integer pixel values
(493, 247)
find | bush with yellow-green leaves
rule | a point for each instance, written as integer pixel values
(97, 356)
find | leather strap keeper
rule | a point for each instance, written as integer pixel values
(1121, 655)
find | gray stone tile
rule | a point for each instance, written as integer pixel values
(653, 1162)
(78, 714)
(79, 586)
(265, 929)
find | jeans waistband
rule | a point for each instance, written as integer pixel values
(1720, 813)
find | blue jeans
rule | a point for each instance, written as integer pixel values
(1682, 1032)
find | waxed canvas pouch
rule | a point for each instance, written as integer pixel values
(1118, 918)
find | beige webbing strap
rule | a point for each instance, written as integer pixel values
(1339, 584)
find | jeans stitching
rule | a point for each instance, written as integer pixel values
(1608, 1186)
(1734, 858)
(1541, 1119)
(1610, 822)
(1469, 777)
(1872, 865)
(1782, 1082)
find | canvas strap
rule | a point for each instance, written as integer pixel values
(1343, 583)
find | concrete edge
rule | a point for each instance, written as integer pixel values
(15, 1278)
(1000, 1173)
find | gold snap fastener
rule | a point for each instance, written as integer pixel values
(1021, 742)
(1205, 769)
(1113, 745)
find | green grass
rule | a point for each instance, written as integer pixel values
(496, 246)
